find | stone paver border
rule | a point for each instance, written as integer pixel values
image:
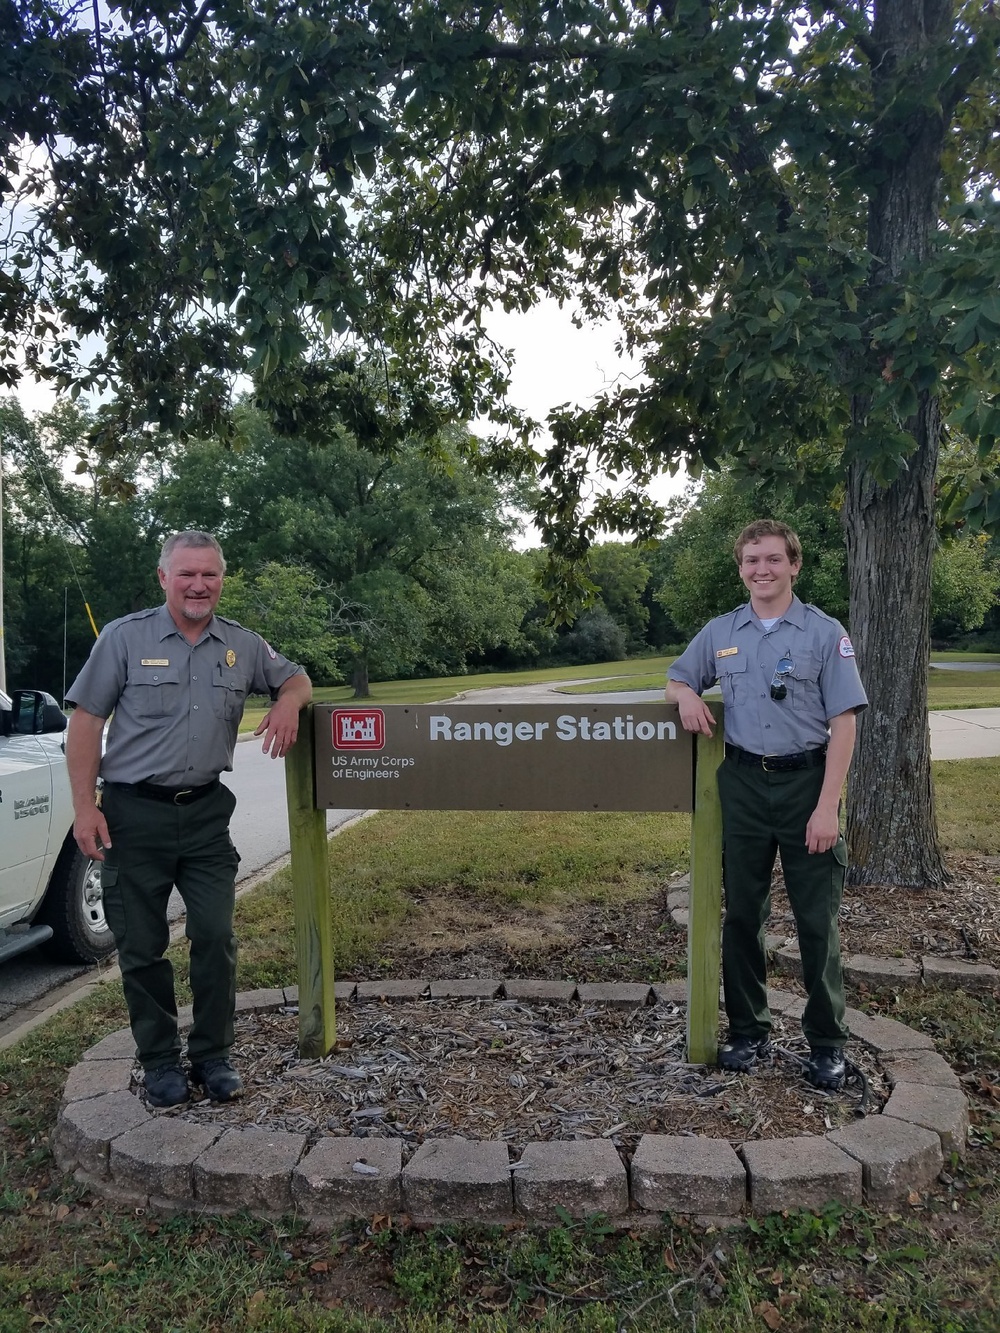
(122, 1150)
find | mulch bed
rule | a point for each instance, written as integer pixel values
(960, 921)
(519, 1072)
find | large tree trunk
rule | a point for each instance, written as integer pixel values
(891, 828)
(359, 678)
(892, 833)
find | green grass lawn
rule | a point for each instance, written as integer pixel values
(967, 795)
(964, 689)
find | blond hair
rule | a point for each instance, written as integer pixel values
(768, 527)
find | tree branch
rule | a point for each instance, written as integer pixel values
(862, 39)
(194, 28)
(979, 58)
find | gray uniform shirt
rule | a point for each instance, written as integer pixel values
(177, 706)
(741, 655)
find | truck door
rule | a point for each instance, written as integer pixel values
(25, 817)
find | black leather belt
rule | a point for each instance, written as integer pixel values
(173, 795)
(778, 763)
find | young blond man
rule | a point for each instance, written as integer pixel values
(791, 692)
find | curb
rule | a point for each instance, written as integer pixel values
(125, 1152)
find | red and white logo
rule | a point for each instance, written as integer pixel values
(358, 729)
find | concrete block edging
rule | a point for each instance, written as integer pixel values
(124, 1151)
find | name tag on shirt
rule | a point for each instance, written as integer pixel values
(727, 652)
(156, 661)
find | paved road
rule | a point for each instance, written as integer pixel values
(963, 666)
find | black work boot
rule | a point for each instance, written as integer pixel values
(167, 1086)
(826, 1068)
(219, 1079)
(740, 1054)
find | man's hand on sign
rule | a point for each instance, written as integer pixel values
(695, 713)
(280, 724)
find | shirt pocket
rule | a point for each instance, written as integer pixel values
(155, 690)
(732, 672)
(229, 693)
(803, 682)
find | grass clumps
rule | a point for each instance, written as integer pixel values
(967, 797)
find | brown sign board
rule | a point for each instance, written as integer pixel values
(467, 756)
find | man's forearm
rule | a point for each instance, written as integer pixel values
(695, 714)
(83, 756)
(296, 690)
(840, 751)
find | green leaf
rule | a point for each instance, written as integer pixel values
(966, 333)
(907, 402)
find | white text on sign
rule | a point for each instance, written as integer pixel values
(567, 728)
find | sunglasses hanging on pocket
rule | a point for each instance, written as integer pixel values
(782, 671)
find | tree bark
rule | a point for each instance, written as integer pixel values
(359, 678)
(891, 825)
(892, 831)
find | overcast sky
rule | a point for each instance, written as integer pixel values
(557, 363)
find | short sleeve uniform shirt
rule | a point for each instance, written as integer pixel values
(176, 706)
(738, 652)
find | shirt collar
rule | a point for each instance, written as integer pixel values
(795, 615)
(165, 626)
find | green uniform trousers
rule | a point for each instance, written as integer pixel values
(154, 846)
(763, 814)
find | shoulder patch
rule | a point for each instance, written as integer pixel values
(846, 647)
(270, 651)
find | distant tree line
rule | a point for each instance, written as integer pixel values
(368, 562)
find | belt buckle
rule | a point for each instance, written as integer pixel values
(180, 795)
(763, 762)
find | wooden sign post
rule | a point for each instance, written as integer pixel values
(472, 757)
(311, 896)
(705, 900)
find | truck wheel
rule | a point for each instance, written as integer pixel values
(74, 908)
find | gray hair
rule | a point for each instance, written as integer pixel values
(194, 539)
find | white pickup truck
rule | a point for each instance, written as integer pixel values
(50, 893)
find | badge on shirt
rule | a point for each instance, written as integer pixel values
(846, 647)
(727, 652)
(230, 658)
(156, 661)
(270, 651)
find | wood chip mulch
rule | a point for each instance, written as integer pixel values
(960, 921)
(518, 1072)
